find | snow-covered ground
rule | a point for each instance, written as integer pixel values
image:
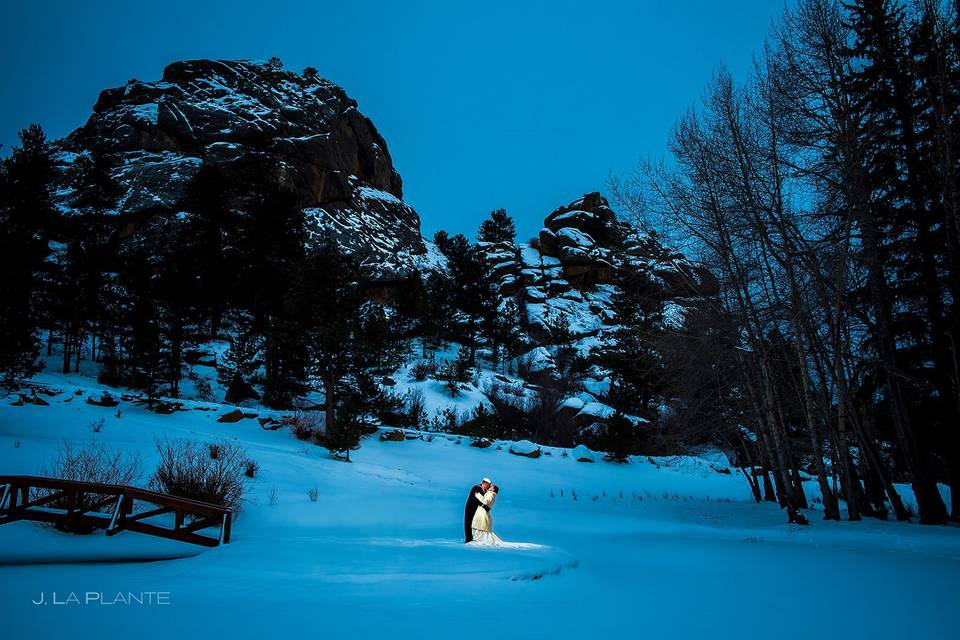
(648, 549)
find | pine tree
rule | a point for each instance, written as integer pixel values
(634, 362)
(439, 310)
(211, 234)
(82, 273)
(285, 357)
(178, 295)
(620, 438)
(115, 329)
(244, 355)
(323, 307)
(900, 239)
(344, 338)
(95, 189)
(450, 377)
(269, 239)
(483, 424)
(150, 310)
(411, 306)
(142, 363)
(473, 297)
(934, 46)
(27, 217)
(499, 227)
(344, 435)
(267, 248)
(503, 331)
(462, 365)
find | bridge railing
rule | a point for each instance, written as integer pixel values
(76, 504)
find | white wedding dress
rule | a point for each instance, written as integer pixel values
(486, 539)
(482, 525)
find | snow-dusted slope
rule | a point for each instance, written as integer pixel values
(659, 548)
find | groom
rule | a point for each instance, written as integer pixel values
(471, 507)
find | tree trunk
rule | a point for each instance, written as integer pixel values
(851, 484)
(873, 504)
(67, 354)
(769, 495)
(176, 358)
(868, 447)
(831, 507)
(330, 403)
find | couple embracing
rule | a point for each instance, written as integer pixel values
(477, 522)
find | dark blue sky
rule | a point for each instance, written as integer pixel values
(522, 105)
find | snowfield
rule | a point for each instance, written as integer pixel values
(654, 548)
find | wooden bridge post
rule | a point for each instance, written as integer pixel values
(225, 529)
(117, 511)
(15, 492)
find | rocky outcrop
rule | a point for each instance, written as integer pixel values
(156, 135)
(565, 283)
(566, 278)
(503, 259)
(590, 244)
(583, 236)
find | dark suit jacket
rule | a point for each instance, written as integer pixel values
(469, 509)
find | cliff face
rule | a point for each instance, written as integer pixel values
(157, 134)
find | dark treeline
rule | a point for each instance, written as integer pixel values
(823, 193)
(143, 296)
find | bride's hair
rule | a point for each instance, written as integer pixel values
(496, 489)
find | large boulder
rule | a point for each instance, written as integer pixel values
(240, 391)
(581, 453)
(225, 112)
(525, 449)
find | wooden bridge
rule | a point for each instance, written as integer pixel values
(75, 505)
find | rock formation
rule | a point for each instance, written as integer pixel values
(156, 135)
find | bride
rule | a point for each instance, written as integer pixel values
(482, 524)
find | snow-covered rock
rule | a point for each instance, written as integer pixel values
(539, 360)
(525, 448)
(226, 112)
(581, 453)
